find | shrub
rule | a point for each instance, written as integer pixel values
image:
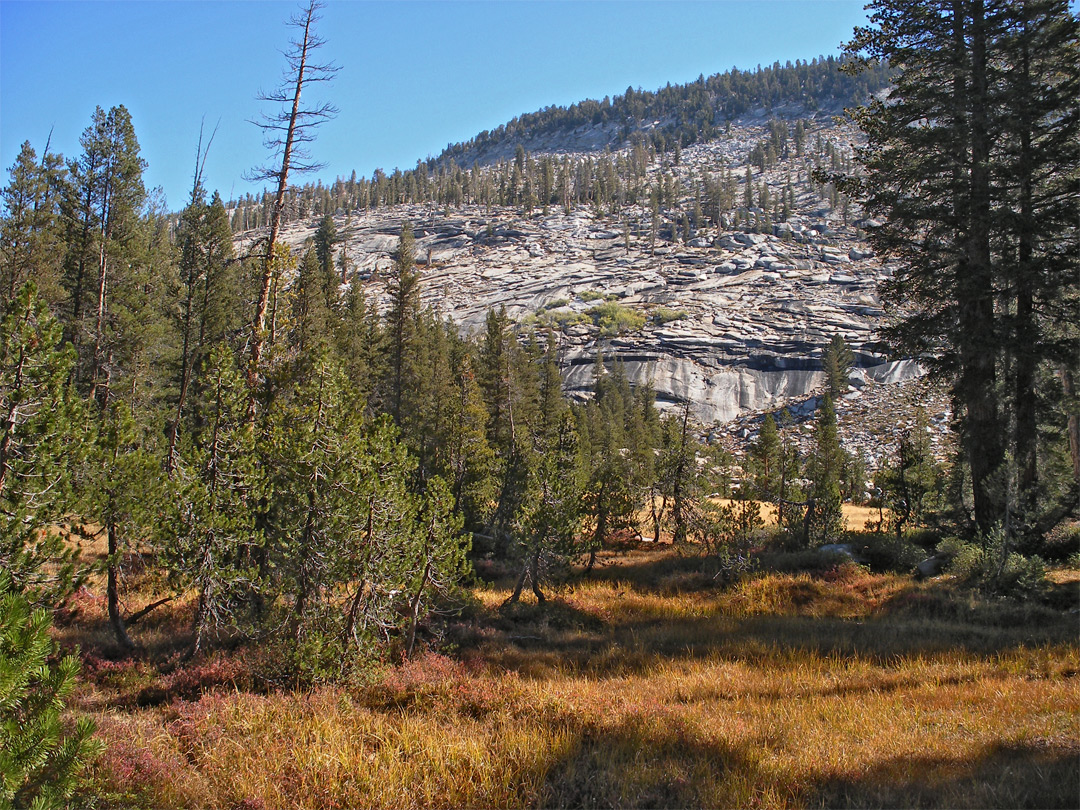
(614, 318)
(565, 320)
(662, 315)
(556, 304)
(992, 566)
(886, 552)
(1062, 544)
(590, 295)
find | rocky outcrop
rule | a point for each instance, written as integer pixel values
(735, 322)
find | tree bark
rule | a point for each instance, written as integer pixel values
(259, 323)
(113, 591)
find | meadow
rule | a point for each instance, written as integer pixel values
(653, 683)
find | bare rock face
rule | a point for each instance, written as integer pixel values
(734, 321)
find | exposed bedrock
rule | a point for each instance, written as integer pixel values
(733, 321)
(722, 394)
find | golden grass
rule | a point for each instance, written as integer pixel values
(855, 515)
(785, 691)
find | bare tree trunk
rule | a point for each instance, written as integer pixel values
(516, 595)
(534, 574)
(258, 337)
(415, 609)
(99, 325)
(1073, 423)
(113, 591)
(185, 379)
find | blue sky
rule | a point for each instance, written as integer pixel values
(414, 76)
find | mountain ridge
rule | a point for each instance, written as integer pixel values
(687, 113)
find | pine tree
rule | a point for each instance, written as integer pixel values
(207, 299)
(911, 481)
(313, 320)
(471, 464)
(313, 448)
(440, 561)
(108, 193)
(836, 362)
(825, 469)
(210, 521)
(30, 231)
(286, 133)
(981, 246)
(326, 237)
(548, 519)
(1041, 131)
(681, 465)
(612, 490)
(41, 757)
(359, 343)
(401, 323)
(764, 461)
(40, 444)
(120, 490)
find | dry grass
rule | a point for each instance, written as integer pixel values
(855, 515)
(646, 687)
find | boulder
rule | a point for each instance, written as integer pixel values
(930, 567)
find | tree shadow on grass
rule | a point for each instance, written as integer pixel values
(571, 635)
(662, 572)
(650, 761)
(1039, 775)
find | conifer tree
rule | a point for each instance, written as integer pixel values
(548, 519)
(207, 299)
(287, 131)
(313, 448)
(401, 323)
(981, 244)
(121, 491)
(325, 239)
(836, 363)
(40, 444)
(912, 479)
(471, 462)
(359, 343)
(30, 230)
(683, 480)
(612, 491)
(41, 757)
(108, 193)
(825, 470)
(313, 320)
(209, 526)
(764, 461)
(439, 556)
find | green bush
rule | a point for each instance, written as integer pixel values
(562, 320)
(1062, 544)
(614, 319)
(662, 315)
(803, 561)
(590, 295)
(884, 552)
(992, 566)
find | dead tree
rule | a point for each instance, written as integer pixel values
(285, 134)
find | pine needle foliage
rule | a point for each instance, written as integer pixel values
(41, 758)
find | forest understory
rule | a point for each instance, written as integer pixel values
(659, 680)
